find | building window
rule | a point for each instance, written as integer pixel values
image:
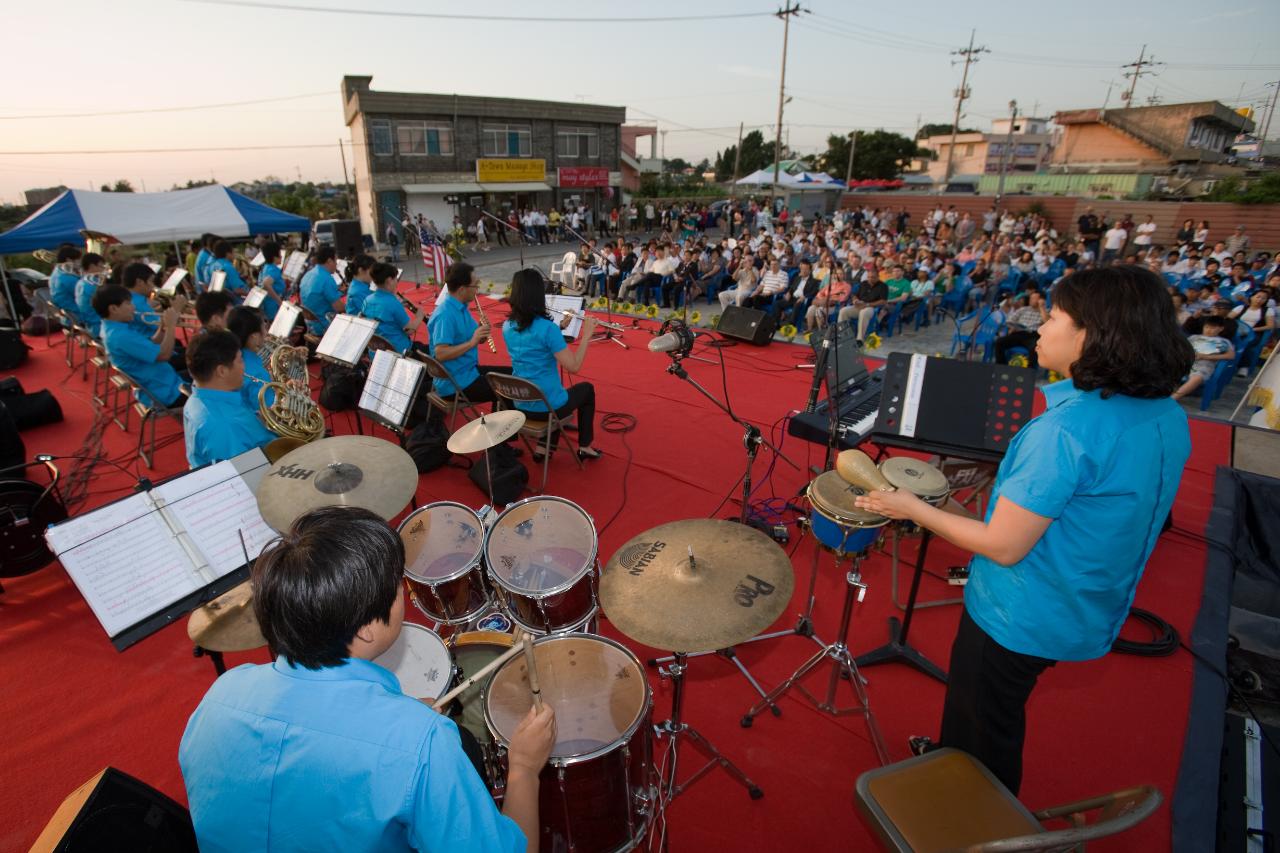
(577, 142)
(380, 137)
(968, 149)
(507, 140)
(424, 137)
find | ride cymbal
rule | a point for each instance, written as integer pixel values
(486, 431)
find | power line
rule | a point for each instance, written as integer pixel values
(442, 16)
(164, 150)
(171, 109)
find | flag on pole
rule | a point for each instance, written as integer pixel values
(434, 257)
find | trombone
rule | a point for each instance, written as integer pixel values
(599, 322)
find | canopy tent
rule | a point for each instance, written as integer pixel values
(794, 180)
(134, 218)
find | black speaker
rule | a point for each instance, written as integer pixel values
(746, 324)
(114, 811)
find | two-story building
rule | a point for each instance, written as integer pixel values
(978, 153)
(454, 155)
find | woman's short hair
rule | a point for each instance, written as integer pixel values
(270, 252)
(528, 297)
(1132, 343)
(335, 571)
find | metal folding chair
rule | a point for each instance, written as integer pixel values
(459, 403)
(514, 389)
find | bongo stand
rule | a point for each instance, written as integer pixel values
(898, 648)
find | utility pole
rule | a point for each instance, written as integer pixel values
(1141, 67)
(970, 55)
(785, 15)
(1004, 155)
(1271, 110)
(351, 202)
(737, 161)
(848, 172)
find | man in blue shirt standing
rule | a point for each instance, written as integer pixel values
(1077, 506)
(455, 338)
(216, 423)
(92, 266)
(321, 750)
(142, 359)
(319, 290)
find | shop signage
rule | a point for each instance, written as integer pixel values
(505, 171)
(583, 176)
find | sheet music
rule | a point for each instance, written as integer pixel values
(391, 386)
(342, 269)
(217, 280)
(286, 319)
(347, 338)
(257, 260)
(213, 504)
(293, 266)
(170, 286)
(572, 304)
(155, 268)
(256, 297)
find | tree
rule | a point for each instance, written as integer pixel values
(755, 155)
(675, 166)
(704, 165)
(121, 186)
(940, 130)
(1263, 190)
(879, 155)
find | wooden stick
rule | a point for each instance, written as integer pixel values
(527, 644)
(458, 691)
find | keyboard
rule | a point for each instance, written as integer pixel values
(859, 407)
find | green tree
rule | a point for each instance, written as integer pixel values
(675, 165)
(879, 155)
(1262, 190)
(928, 130)
(121, 186)
(756, 154)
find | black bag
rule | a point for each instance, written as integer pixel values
(11, 387)
(12, 449)
(13, 351)
(510, 477)
(427, 445)
(33, 410)
(342, 387)
(36, 325)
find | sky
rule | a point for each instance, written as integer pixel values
(850, 66)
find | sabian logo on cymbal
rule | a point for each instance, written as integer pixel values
(635, 557)
(293, 472)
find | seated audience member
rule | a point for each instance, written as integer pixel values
(455, 338)
(871, 296)
(1180, 306)
(216, 423)
(321, 750)
(773, 282)
(1024, 324)
(212, 310)
(250, 330)
(795, 299)
(222, 263)
(921, 292)
(834, 294)
(361, 283)
(746, 280)
(685, 275)
(142, 359)
(271, 279)
(394, 325)
(319, 290)
(92, 268)
(1210, 347)
(62, 284)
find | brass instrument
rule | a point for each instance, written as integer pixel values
(45, 256)
(185, 321)
(293, 414)
(489, 340)
(599, 322)
(243, 269)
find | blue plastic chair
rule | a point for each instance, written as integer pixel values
(885, 322)
(713, 286)
(1254, 351)
(1214, 385)
(957, 298)
(991, 325)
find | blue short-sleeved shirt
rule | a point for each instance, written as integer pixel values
(254, 367)
(391, 317)
(62, 290)
(217, 426)
(85, 288)
(203, 261)
(1106, 472)
(142, 306)
(233, 282)
(135, 354)
(533, 357)
(319, 292)
(452, 324)
(285, 758)
(357, 292)
(270, 307)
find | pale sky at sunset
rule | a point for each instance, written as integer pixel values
(852, 65)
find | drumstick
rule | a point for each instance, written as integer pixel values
(461, 688)
(533, 672)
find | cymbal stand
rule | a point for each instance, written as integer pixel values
(842, 665)
(676, 729)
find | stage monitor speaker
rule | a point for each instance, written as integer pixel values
(114, 811)
(746, 324)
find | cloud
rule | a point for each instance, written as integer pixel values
(747, 71)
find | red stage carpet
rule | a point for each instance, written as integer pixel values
(71, 704)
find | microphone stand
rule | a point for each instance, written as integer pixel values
(605, 333)
(505, 224)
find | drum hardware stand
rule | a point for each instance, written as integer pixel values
(896, 562)
(843, 665)
(676, 728)
(898, 649)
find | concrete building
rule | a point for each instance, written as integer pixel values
(446, 155)
(1181, 139)
(42, 196)
(979, 153)
(633, 164)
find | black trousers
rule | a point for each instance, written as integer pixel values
(480, 390)
(1019, 338)
(582, 399)
(985, 712)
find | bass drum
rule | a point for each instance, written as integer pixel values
(472, 652)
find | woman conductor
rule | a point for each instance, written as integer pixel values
(1078, 503)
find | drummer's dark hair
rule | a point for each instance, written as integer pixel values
(528, 298)
(1132, 343)
(336, 570)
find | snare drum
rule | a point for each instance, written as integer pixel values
(541, 554)
(835, 521)
(597, 791)
(918, 477)
(421, 661)
(472, 652)
(443, 543)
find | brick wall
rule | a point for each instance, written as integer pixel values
(1097, 143)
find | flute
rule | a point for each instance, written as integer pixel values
(489, 340)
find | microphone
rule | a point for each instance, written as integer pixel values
(678, 341)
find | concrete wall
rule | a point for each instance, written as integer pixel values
(1097, 143)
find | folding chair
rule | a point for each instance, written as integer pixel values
(150, 412)
(312, 339)
(947, 800)
(101, 373)
(514, 389)
(437, 371)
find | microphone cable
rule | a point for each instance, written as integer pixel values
(618, 423)
(1165, 640)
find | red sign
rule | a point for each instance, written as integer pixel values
(584, 176)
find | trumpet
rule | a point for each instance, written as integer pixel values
(489, 340)
(185, 321)
(604, 323)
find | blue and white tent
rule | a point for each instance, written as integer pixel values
(133, 218)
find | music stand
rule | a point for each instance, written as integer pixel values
(390, 389)
(606, 333)
(346, 339)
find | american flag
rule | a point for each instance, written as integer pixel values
(434, 258)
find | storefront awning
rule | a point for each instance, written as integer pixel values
(518, 187)
(434, 189)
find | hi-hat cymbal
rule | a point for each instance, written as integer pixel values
(486, 431)
(736, 584)
(227, 623)
(346, 470)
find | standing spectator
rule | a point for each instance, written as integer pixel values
(1090, 231)
(1239, 241)
(1113, 243)
(648, 216)
(1201, 237)
(1146, 235)
(393, 241)
(1187, 232)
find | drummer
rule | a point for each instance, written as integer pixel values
(321, 750)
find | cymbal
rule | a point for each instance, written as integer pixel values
(227, 623)
(486, 431)
(346, 470)
(738, 582)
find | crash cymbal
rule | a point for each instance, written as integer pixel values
(346, 470)
(486, 431)
(736, 584)
(227, 623)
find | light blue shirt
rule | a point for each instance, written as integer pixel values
(319, 292)
(135, 354)
(142, 306)
(233, 283)
(452, 324)
(217, 426)
(203, 260)
(278, 757)
(392, 318)
(85, 288)
(62, 290)
(254, 367)
(357, 292)
(270, 307)
(533, 357)
(1106, 472)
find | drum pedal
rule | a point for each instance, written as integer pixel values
(958, 575)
